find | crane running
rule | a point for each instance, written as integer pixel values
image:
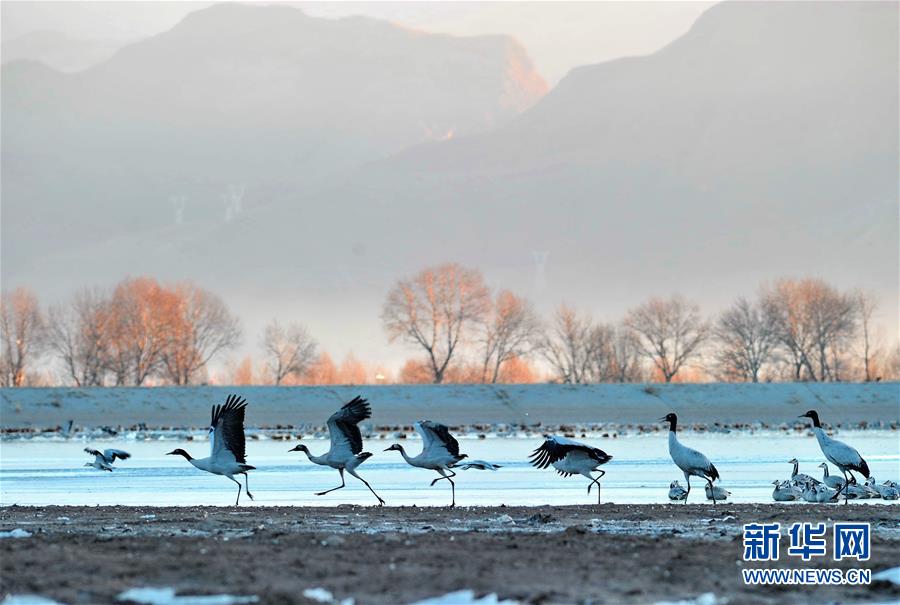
(345, 453)
(227, 455)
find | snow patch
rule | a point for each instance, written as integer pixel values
(888, 575)
(706, 598)
(321, 595)
(167, 596)
(28, 599)
(15, 533)
(465, 597)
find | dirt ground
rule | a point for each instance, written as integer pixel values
(579, 554)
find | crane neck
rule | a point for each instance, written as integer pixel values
(796, 468)
(314, 459)
(405, 455)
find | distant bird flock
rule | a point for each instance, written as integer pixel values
(440, 453)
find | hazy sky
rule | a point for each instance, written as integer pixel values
(558, 35)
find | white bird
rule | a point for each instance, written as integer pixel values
(691, 462)
(801, 478)
(346, 452)
(855, 491)
(571, 458)
(440, 452)
(832, 481)
(809, 493)
(716, 492)
(481, 465)
(785, 492)
(226, 444)
(103, 461)
(838, 453)
(873, 488)
(676, 492)
(889, 492)
(825, 495)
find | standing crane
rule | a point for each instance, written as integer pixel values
(570, 457)
(345, 453)
(691, 462)
(226, 444)
(839, 454)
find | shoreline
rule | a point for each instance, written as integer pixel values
(390, 556)
(495, 410)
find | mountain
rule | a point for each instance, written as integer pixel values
(233, 107)
(57, 50)
(762, 143)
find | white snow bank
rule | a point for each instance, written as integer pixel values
(888, 575)
(28, 599)
(167, 596)
(707, 598)
(465, 597)
(15, 533)
(322, 595)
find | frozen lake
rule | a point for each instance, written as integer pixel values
(51, 472)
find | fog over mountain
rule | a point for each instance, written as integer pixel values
(762, 143)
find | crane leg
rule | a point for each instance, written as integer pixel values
(597, 481)
(341, 471)
(687, 478)
(380, 501)
(712, 490)
(240, 487)
(247, 485)
(452, 485)
(443, 476)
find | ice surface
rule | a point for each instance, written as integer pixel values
(167, 596)
(465, 597)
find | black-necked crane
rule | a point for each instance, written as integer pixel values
(103, 461)
(570, 457)
(798, 478)
(345, 453)
(838, 453)
(440, 452)
(227, 456)
(690, 461)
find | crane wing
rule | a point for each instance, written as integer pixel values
(111, 454)
(436, 436)
(343, 430)
(228, 428)
(555, 449)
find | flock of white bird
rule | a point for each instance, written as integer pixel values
(440, 453)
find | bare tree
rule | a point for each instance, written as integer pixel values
(567, 346)
(866, 305)
(434, 310)
(22, 330)
(512, 330)
(747, 339)
(287, 352)
(815, 324)
(669, 332)
(614, 355)
(138, 329)
(77, 333)
(201, 328)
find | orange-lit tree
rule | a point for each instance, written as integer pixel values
(436, 309)
(201, 328)
(22, 330)
(511, 330)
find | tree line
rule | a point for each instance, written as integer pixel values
(142, 332)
